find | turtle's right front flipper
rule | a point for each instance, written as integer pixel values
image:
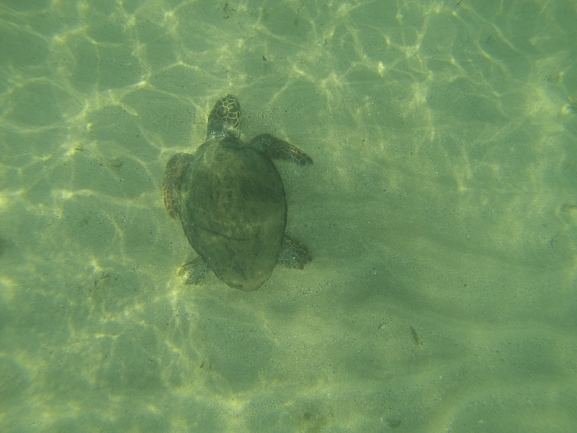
(275, 148)
(172, 177)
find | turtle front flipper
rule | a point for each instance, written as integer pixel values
(275, 148)
(294, 254)
(172, 175)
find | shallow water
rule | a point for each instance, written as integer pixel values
(441, 212)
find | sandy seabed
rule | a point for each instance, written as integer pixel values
(441, 212)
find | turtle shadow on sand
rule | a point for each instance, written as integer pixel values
(231, 202)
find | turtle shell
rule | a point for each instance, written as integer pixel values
(233, 211)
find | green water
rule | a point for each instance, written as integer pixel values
(441, 211)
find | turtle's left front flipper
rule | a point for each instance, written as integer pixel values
(172, 176)
(275, 148)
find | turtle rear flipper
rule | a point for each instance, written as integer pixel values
(275, 148)
(193, 271)
(293, 254)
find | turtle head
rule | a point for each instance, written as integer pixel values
(224, 118)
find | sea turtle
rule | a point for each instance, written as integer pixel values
(231, 202)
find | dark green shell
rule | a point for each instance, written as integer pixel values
(233, 210)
